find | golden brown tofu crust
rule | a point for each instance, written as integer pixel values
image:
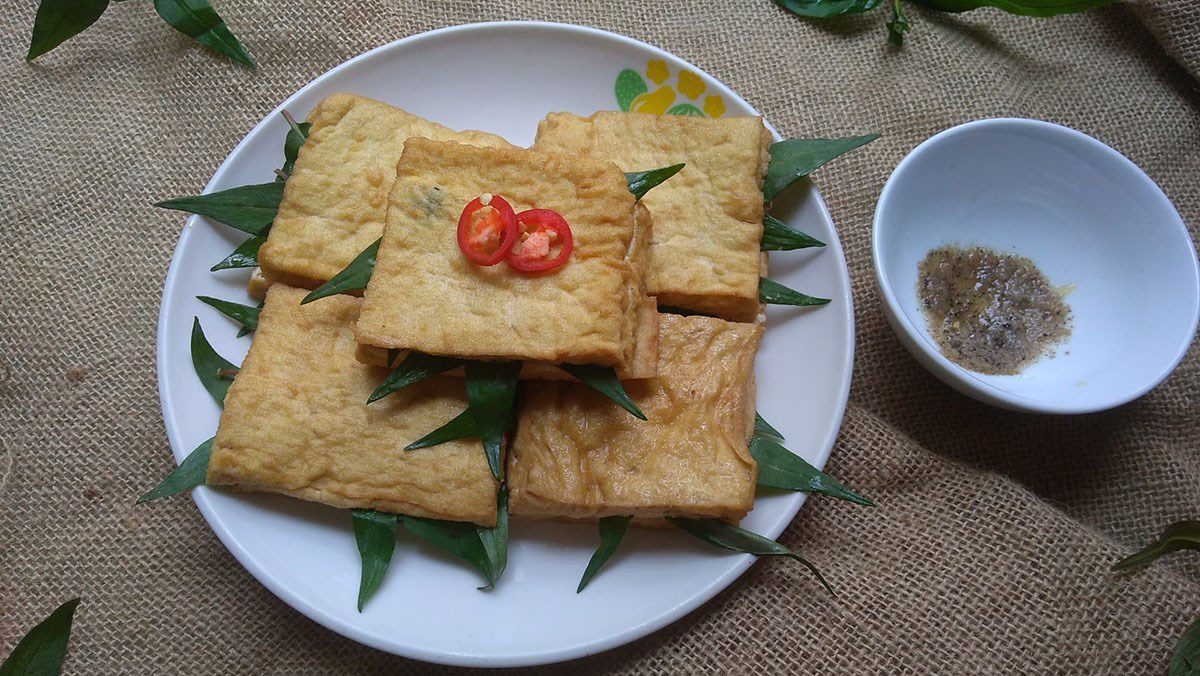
(707, 218)
(425, 295)
(296, 422)
(335, 201)
(576, 455)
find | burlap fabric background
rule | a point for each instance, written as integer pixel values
(989, 550)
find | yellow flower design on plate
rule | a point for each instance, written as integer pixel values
(634, 94)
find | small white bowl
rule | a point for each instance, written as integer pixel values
(1087, 216)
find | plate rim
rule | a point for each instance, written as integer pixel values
(702, 595)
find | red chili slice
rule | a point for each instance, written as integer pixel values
(538, 230)
(487, 232)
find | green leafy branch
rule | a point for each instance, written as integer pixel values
(60, 20)
(898, 24)
(41, 651)
(1181, 535)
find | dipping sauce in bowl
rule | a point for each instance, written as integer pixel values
(988, 311)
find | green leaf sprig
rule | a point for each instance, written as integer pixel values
(779, 236)
(762, 428)
(375, 535)
(209, 365)
(190, 473)
(780, 468)
(485, 549)
(460, 426)
(246, 315)
(640, 182)
(353, 278)
(794, 159)
(60, 20)
(898, 24)
(604, 380)
(491, 393)
(774, 293)
(249, 208)
(1175, 537)
(245, 256)
(41, 651)
(735, 539)
(416, 367)
(612, 531)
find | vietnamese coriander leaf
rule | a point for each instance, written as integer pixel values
(415, 368)
(189, 474)
(199, 21)
(779, 236)
(898, 25)
(460, 426)
(249, 208)
(1186, 659)
(353, 278)
(491, 391)
(245, 256)
(604, 380)
(780, 468)
(42, 650)
(612, 530)
(244, 330)
(796, 158)
(762, 428)
(1038, 8)
(725, 536)
(1177, 536)
(495, 539)
(640, 182)
(246, 315)
(824, 9)
(456, 537)
(775, 293)
(375, 533)
(297, 133)
(60, 20)
(209, 365)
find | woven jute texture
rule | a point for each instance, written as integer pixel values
(990, 547)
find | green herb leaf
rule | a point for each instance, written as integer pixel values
(629, 86)
(898, 25)
(459, 538)
(249, 208)
(640, 182)
(1177, 536)
(495, 539)
(687, 110)
(209, 364)
(780, 468)
(189, 474)
(762, 428)
(415, 368)
(724, 536)
(604, 380)
(824, 9)
(491, 391)
(197, 20)
(1039, 8)
(291, 145)
(245, 256)
(797, 158)
(42, 650)
(460, 426)
(60, 20)
(353, 278)
(1186, 659)
(245, 315)
(775, 293)
(779, 236)
(612, 530)
(375, 533)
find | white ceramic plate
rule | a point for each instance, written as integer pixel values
(428, 607)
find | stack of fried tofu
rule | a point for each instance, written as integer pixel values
(297, 421)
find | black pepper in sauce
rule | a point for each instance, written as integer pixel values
(990, 312)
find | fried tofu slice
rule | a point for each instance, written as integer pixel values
(425, 295)
(707, 218)
(296, 422)
(576, 455)
(335, 201)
